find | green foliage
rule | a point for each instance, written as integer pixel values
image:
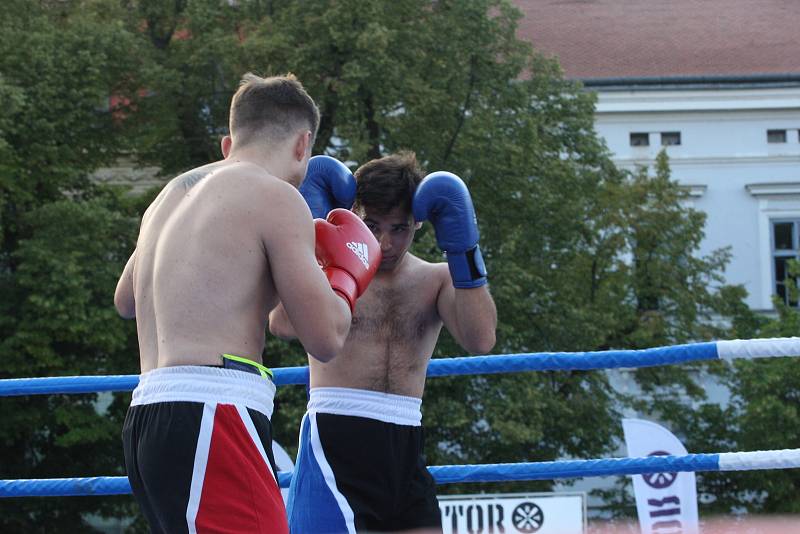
(581, 255)
(62, 323)
(762, 414)
(63, 242)
(189, 71)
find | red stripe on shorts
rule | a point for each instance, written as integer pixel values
(239, 491)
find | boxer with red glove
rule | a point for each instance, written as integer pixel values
(348, 253)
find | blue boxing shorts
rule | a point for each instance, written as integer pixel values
(360, 465)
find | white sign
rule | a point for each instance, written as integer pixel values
(666, 502)
(542, 513)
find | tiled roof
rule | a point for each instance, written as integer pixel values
(665, 38)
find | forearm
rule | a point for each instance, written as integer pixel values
(324, 334)
(476, 319)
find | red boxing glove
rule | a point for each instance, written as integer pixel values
(348, 253)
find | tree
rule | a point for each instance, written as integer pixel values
(63, 243)
(761, 414)
(675, 295)
(387, 79)
(763, 394)
(581, 255)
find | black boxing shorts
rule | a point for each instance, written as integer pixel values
(360, 465)
(198, 451)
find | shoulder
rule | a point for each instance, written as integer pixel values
(438, 271)
(258, 186)
(245, 172)
(428, 266)
(428, 283)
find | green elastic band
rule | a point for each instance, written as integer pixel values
(265, 371)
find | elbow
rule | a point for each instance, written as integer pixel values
(482, 344)
(326, 350)
(279, 331)
(329, 347)
(126, 308)
(323, 357)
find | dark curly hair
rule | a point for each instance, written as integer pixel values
(388, 182)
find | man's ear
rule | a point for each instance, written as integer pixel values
(417, 225)
(225, 145)
(302, 146)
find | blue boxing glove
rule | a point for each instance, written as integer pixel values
(328, 184)
(443, 198)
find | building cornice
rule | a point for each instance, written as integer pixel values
(773, 189)
(735, 81)
(717, 161)
(695, 100)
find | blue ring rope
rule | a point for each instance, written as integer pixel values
(463, 365)
(444, 474)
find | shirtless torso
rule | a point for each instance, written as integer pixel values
(202, 277)
(362, 433)
(218, 248)
(393, 333)
(193, 306)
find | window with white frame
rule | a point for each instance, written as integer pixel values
(670, 138)
(776, 136)
(785, 247)
(640, 139)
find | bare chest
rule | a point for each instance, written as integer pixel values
(392, 336)
(396, 313)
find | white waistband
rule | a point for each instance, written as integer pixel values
(385, 407)
(194, 383)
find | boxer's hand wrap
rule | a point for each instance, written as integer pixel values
(443, 198)
(348, 253)
(328, 184)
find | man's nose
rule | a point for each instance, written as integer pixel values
(385, 241)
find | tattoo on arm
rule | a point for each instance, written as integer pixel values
(192, 178)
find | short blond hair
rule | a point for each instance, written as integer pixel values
(275, 107)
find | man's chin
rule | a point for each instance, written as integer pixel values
(387, 266)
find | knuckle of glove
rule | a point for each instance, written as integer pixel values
(443, 198)
(328, 184)
(350, 246)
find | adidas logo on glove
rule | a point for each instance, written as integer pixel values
(360, 250)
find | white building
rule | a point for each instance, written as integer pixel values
(718, 84)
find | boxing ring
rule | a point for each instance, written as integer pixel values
(447, 474)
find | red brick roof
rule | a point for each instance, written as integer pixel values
(658, 38)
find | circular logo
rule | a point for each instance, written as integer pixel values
(527, 517)
(659, 480)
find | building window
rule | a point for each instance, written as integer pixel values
(785, 247)
(640, 139)
(776, 136)
(670, 138)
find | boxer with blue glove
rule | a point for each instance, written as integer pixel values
(360, 466)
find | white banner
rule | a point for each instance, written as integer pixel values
(542, 513)
(666, 502)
